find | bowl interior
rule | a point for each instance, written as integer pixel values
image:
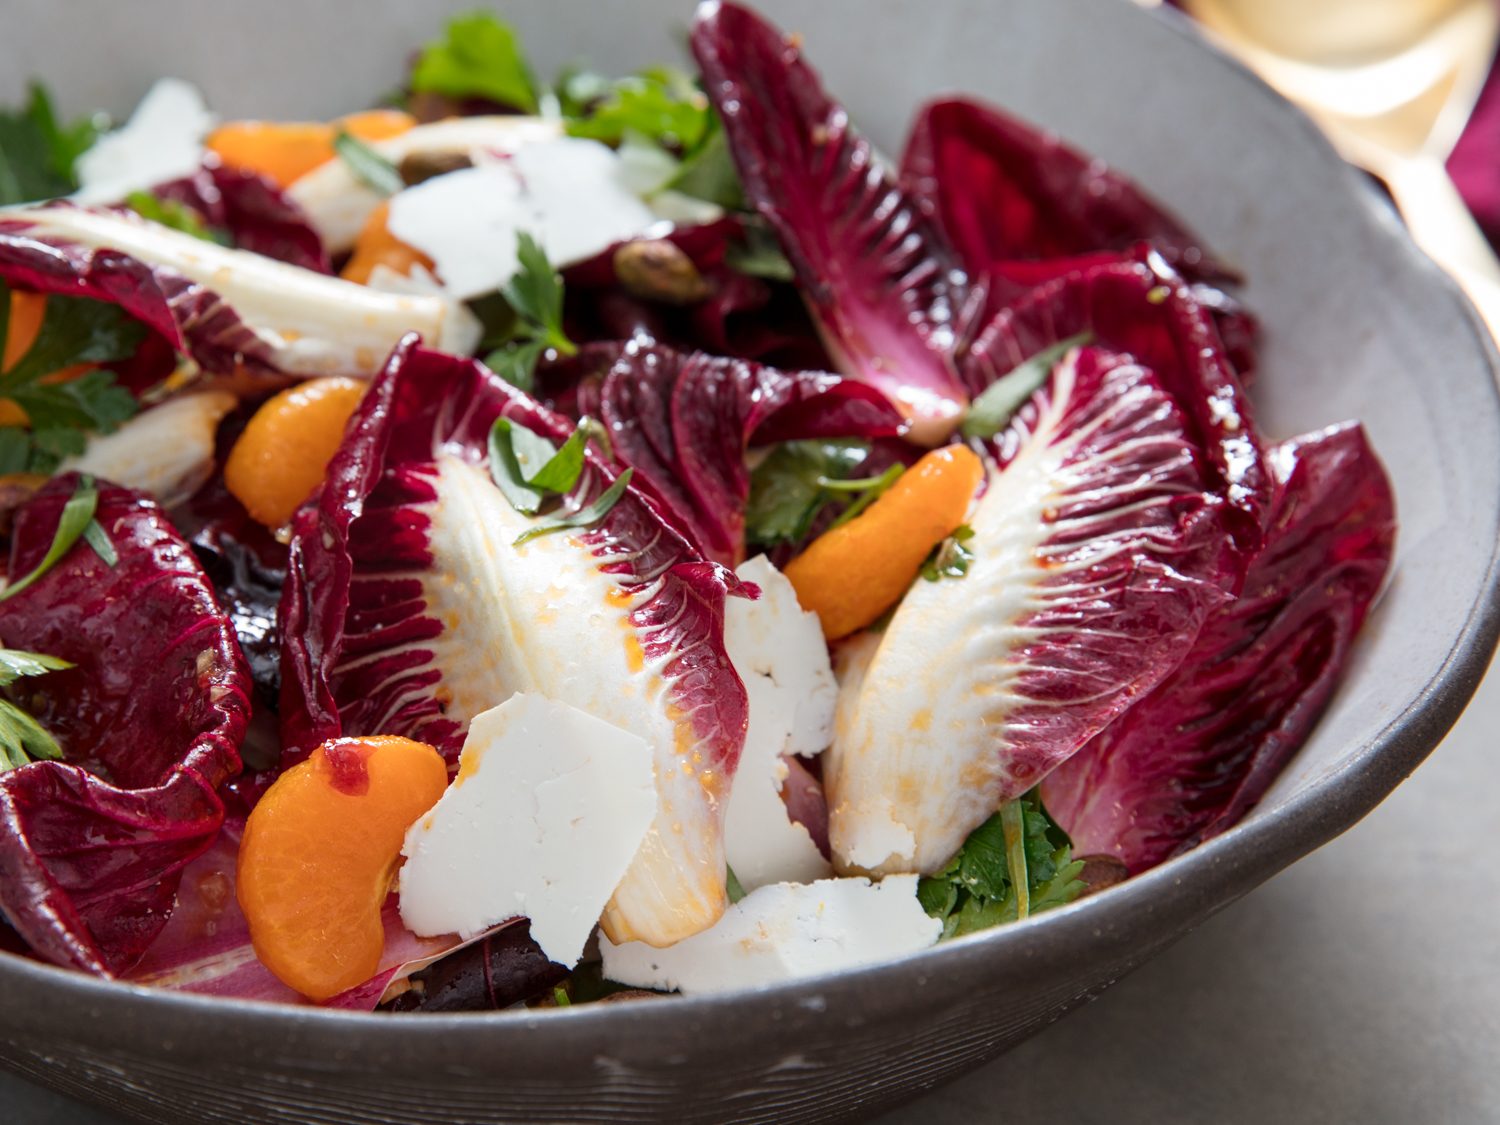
(1357, 325)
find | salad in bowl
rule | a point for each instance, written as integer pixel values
(532, 543)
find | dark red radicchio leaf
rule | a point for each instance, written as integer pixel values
(498, 971)
(1000, 190)
(193, 319)
(256, 214)
(884, 289)
(685, 422)
(1190, 759)
(149, 722)
(409, 609)
(1098, 550)
(1142, 309)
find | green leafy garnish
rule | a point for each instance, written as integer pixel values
(950, 558)
(76, 516)
(759, 255)
(37, 154)
(992, 411)
(560, 997)
(1019, 847)
(659, 103)
(479, 56)
(74, 330)
(732, 886)
(868, 488)
(366, 165)
(787, 489)
(22, 738)
(586, 516)
(175, 214)
(14, 664)
(535, 299)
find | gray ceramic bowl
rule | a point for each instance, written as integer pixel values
(1358, 324)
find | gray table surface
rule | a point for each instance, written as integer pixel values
(1362, 985)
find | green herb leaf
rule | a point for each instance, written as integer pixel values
(759, 255)
(950, 558)
(732, 886)
(37, 154)
(76, 515)
(366, 165)
(23, 739)
(560, 473)
(709, 173)
(560, 997)
(99, 541)
(536, 295)
(15, 663)
(506, 469)
(516, 363)
(74, 330)
(992, 411)
(586, 516)
(786, 493)
(478, 57)
(661, 104)
(1019, 862)
(174, 214)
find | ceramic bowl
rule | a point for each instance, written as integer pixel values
(1357, 324)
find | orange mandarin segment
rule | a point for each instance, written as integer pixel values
(319, 854)
(852, 574)
(377, 246)
(26, 312)
(283, 453)
(284, 151)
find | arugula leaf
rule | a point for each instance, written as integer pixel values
(1019, 847)
(586, 516)
(76, 516)
(175, 214)
(506, 471)
(74, 331)
(37, 154)
(479, 56)
(950, 558)
(786, 495)
(992, 411)
(366, 165)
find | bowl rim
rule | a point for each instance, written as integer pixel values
(1219, 870)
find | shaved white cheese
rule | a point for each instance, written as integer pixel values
(312, 324)
(573, 196)
(167, 451)
(779, 652)
(163, 140)
(338, 204)
(542, 821)
(467, 223)
(582, 197)
(784, 932)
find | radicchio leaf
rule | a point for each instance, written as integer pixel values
(1001, 190)
(684, 423)
(1187, 761)
(885, 290)
(1142, 309)
(261, 316)
(255, 213)
(149, 721)
(1098, 550)
(409, 609)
